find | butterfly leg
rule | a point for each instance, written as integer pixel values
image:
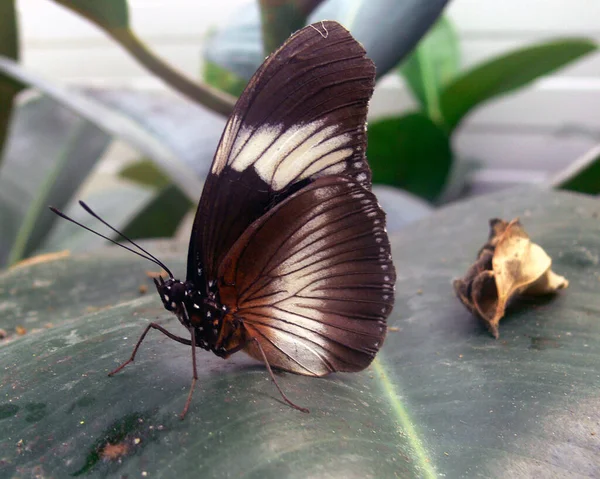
(285, 398)
(137, 346)
(195, 374)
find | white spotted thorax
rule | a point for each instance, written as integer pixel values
(194, 310)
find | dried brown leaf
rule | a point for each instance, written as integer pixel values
(509, 264)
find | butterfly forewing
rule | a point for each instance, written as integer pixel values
(301, 117)
(312, 280)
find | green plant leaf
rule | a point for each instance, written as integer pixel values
(50, 151)
(410, 152)
(582, 176)
(144, 172)
(432, 65)
(442, 398)
(9, 47)
(161, 217)
(507, 73)
(113, 122)
(223, 79)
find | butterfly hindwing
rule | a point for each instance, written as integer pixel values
(312, 280)
(301, 117)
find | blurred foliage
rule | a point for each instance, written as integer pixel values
(411, 151)
(446, 95)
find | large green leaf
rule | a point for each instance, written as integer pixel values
(432, 65)
(238, 47)
(507, 73)
(9, 47)
(443, 399)
(410, 152)
(582, 176)
(114, 122)
(49, 153)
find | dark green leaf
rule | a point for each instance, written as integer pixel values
(161, 217)
(109, 14)
(582, 176)
(443, 399)
(507, 73)
(50, 151)
(9, 47)
(411, 153)
(431, 65)
(112, 121)
(145, 172)
(223, 79)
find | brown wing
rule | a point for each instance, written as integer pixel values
(302, 116)
(313, 279)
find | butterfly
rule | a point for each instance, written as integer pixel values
(289, 258)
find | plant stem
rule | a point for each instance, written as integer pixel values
(203, 94)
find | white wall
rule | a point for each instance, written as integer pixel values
(541, 128)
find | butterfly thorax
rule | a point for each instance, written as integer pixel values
(201, 311)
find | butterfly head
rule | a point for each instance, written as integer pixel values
(172, 293)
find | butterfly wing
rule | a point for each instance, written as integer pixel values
(312, 280)
(301, 117)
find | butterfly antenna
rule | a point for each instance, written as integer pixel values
(156, 260)
(150, 257)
